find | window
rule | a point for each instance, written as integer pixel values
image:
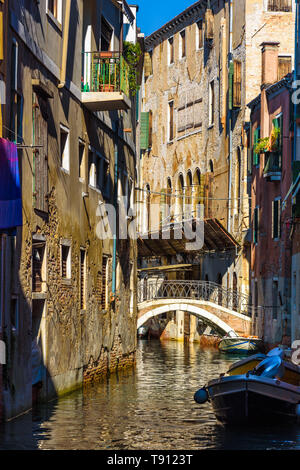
(16, 111)
(237, 83)
(256, 137)
(276, 209)
(82, 293)
(199, 34)
(182, 44)
(104, 284)
(255, 225)
(284, 66)
(99, 171)
(150, 128)
(66, 259)
(54, 8)
(171, 121)
(171, 50)
(38, 265)
(92, 169)
(40, 154)
(106, 35)
(81, 168)
(279, 5)
(211, 103)
(64, 148)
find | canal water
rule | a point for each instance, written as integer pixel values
(150, 407)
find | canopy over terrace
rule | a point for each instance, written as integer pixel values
(216, 238)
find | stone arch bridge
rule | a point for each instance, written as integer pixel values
(224, 309)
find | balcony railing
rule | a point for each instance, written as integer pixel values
(279, 5)
(105, 71)
(272, 165)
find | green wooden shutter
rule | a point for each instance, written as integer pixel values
(256, 138)
(144, 131)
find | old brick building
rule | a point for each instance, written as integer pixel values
(271, 249)
(69, 311)
(201, 70)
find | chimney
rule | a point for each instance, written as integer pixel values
(269, 63)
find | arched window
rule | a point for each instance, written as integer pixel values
(211, 166)
(197, 192)
(189, 193)
(180, 194)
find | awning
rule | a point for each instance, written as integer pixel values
(10, 187)
(216, 238)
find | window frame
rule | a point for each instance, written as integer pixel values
(65, 243)
(65, 130)
(276, 234)
(57, 19)
(171, 54)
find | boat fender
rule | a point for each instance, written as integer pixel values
(201, 396)
(270, 367)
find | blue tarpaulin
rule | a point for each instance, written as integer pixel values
(10, 188)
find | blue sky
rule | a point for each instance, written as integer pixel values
(155, 13)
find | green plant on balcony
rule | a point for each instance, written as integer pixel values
(269, 144)
(262, 145)
(132, 54)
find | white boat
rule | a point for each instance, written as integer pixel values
(233, 343)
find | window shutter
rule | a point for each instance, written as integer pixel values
(255, 225)
(230, 90)
(256, 138)
(40, 155)
(144, 131)
(237, 83)
(147, 65)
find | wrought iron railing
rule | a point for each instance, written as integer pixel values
(198, 290)
(105, 71)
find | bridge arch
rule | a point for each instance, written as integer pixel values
(192, 309)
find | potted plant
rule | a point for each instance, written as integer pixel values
(262, 145)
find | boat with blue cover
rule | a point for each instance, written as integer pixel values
(268, 392)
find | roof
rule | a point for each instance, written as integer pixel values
(278, 86)
(216, 238)
(191, 13)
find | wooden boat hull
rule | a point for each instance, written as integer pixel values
(241, 345)
(241, 399)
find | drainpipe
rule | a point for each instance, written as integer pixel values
(65, 45)
(230, 118)
(114, 260)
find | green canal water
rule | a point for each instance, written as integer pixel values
(150, 407)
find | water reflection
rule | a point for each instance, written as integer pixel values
(151, 407)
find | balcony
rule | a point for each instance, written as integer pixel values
(105, 85)
(272, 169)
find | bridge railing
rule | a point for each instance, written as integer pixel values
(198, 290)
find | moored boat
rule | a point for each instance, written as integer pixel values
(241, 344)
(269, 392)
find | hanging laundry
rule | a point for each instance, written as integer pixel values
(10, 187)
